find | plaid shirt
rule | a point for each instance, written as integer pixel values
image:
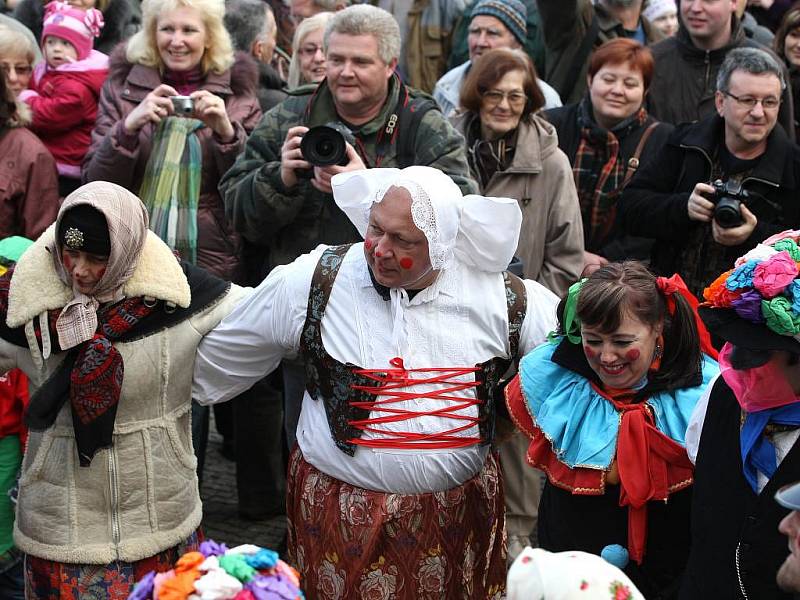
(600, 173)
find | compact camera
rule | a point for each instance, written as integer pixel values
(182, 105)
(728, 198)
(326, 145)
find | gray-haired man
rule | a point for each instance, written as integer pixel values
(701, 228)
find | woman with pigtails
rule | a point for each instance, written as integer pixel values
(606, 405)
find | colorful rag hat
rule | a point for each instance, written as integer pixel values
(78, 27)
(756, 304)
(512, 13)
(654, 9)
(246, 572)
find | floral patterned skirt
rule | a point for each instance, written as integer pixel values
(50, 580)
(349, 542)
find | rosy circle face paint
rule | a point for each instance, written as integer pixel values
(406, 263)
(632, 354)
(369, 244)
(588, 351)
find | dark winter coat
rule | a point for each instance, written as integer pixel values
(732, 527)
(112, 158)
(655, 202)
(270, 87)
(119, 18)
(685, 79)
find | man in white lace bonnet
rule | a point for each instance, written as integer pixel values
(404, 338)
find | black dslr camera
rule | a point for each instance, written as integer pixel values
(728, 199)
(325, 145)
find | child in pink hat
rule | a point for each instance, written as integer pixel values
(66, 86)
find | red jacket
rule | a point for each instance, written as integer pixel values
(64, 104)
(13, 402)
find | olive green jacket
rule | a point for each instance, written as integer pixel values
(291, 222)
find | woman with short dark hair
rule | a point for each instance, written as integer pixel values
(606, 136)
(514, 153)
(605, 405)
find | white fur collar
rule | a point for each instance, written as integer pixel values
(35, 287)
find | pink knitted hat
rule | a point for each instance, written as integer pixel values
(78, 27)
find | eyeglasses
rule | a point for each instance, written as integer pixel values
(311, 50)
(749, 102)
(18, 69)
(495, 97)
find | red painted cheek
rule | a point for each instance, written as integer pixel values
(632, 355)
(67, 261)
(369, 244)
(589, 352)
(406, 263)
(378, 254)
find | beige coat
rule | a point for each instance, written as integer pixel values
(140, 496)
(540, 179)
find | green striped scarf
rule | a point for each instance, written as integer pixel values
(171, 186)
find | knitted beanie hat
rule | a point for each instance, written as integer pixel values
(512, 13)
(78, 27)
(654, 9)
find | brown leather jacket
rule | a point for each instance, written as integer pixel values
(28, 182)
(111, 159)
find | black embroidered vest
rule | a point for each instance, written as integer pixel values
(332, 381)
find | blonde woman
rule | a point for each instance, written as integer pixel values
(308, 57)
(183, 49)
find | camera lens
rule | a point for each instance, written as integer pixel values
(323, 146)
(728, 213)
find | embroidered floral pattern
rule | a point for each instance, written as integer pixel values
(430, 575)
(356, 543)
(330, 582)
(380, 583)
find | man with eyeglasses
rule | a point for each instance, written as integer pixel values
(493, 24)
(687, 64)
(721, 184)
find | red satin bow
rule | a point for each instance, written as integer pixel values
(675, 284)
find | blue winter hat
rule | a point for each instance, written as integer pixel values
(512, 13)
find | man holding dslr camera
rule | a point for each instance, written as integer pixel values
(723, 183)
(275, 197)
(282, 203)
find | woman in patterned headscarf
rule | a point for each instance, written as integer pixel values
(105, 321)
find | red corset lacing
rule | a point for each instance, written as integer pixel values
(390, 387)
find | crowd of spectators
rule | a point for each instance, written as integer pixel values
(657, 130)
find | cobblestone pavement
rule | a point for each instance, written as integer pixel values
(221, 520)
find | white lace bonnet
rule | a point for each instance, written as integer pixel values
(479, 231)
